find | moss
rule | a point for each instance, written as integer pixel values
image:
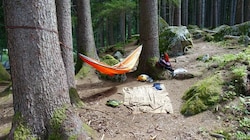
(6, 130)
(202, 95)
(83, 72)
(4, 75)
(90, 132)
(74, 98)
(208, 37)
(174, 39)
(109, 59)
(162, 24)
(57, 119)
(193, 106)
(22, 132)
(7, 91)
(155, 72)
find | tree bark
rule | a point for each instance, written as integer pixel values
(239, 11)
(63, 8)
(247, 10)
(85, 38)
(199, 13)
(164, 9)
(184, 12)
(123, 26)
(148, 36)
(232, 12)
(38, 74)
(203, 13)
(177, 14)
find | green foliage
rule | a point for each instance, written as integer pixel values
(239, 72)
(74, 98)
(223, 30)
(225, 59)
(56, 121)
(209, 37)
(242, 136)
(173, 35)
(245, 123)
(109, 59)
(91, 132)
(173, 2)
(238, 112)
(22, 132)
(162, 24)
(83, 72)
(112, 49)
(7, 91)
(3, 35)
(236, 30)
(4, 75)
(114, 8)
(202, 95)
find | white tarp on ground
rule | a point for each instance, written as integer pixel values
(146, 98)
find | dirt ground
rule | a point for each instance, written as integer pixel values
(120, 123)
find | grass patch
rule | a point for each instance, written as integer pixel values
(202, 95)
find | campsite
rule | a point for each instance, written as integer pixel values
(121, 123)
(125, 70)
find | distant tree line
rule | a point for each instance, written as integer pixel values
(117, 20)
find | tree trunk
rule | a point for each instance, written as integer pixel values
(40, 88)
(63, 8)
(247, 10)
(177, 14)
(164, 9)
(171, 13)
(123, 26)
(203, 13)
(232, 12)
(239, 12)
(216, 13)
(184, 12)
(199, 12)
(128, 18)
(148, 36)
(85, 39)
(110, 31)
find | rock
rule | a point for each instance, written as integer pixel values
(118, 55)
(175, 40)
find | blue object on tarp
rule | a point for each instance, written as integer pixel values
(157, 86)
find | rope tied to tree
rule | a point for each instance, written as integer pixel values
(39, 28)
(30, 27)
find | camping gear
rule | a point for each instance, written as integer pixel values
(179, 71)
(122, 67)
(113, 103)
(164, 62)
(144, 78)
(157, 86)
(147, 99)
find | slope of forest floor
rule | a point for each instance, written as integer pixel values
(120, 123)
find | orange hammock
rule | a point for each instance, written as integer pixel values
(122, 67)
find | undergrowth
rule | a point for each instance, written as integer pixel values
(223, 92)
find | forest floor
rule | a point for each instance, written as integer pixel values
(120, 123)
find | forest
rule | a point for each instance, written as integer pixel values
(47, 90)
(117, 20)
